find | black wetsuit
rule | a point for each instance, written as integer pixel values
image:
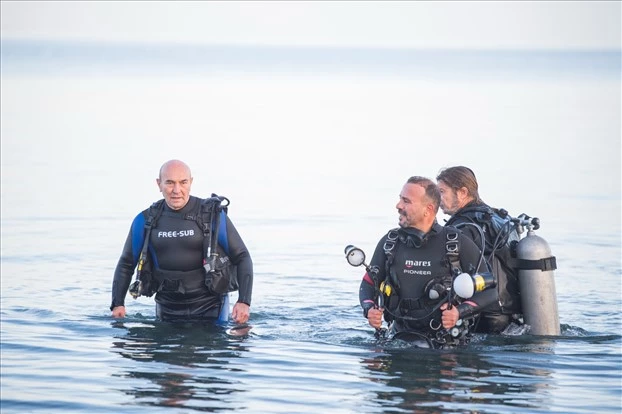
(176, 257)
(415, 268)
(500, 314)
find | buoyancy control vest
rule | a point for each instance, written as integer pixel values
(433, 278)
(218, 274)
(500, 237)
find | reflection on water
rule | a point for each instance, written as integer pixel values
(423, 380)
(310, 350)
(186, 364)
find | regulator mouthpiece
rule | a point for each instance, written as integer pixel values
(466, 285)
(354, 256)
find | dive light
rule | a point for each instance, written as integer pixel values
(466, 285)
(355, 256)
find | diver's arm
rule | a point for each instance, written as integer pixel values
(366, 298)
(118, 312)
(478, 303)
(241, 312)
(468, 308)
(449, 317)
(241, 257)
(122, 277)
(366, 294)
(367, 289)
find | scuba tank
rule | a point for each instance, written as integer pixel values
(535, 266)
(223, 316)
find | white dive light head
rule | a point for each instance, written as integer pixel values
(463, 285)
(354, 255)
(466, 285)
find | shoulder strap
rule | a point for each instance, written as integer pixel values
(478, 214)
(389, 246)
(212, 219)
(153, 214)
(390, 242)
(452, 249)
(223, 240)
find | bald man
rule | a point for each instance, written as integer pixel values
(174, 269)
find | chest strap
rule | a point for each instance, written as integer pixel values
(452, 250)
(155, 211)
(389, 246)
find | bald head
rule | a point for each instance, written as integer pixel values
(174, 164)
(174, 182)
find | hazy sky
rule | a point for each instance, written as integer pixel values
(485, 24)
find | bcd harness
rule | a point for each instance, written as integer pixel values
(500, 252)
(497, 222)
(439, 290)
(218, 273)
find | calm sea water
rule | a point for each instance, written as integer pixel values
(312, 149)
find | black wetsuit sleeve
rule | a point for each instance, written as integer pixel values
(123, 273)
(469, 259)
(367, 291)
(239, 255)
(478, 303)
(470, 256)
(366, 294)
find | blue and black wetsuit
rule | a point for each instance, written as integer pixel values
(176, 254)
(418, 265)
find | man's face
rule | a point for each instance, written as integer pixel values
(449, 199)
(412, 206)
(175, 182)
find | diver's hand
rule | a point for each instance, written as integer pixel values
(450, 316)
(118, 312)
(374, 317)
(241, 312)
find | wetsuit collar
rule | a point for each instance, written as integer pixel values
(436, 228)
(190, 206)
(471, 205)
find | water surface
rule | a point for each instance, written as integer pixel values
(312, 151)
